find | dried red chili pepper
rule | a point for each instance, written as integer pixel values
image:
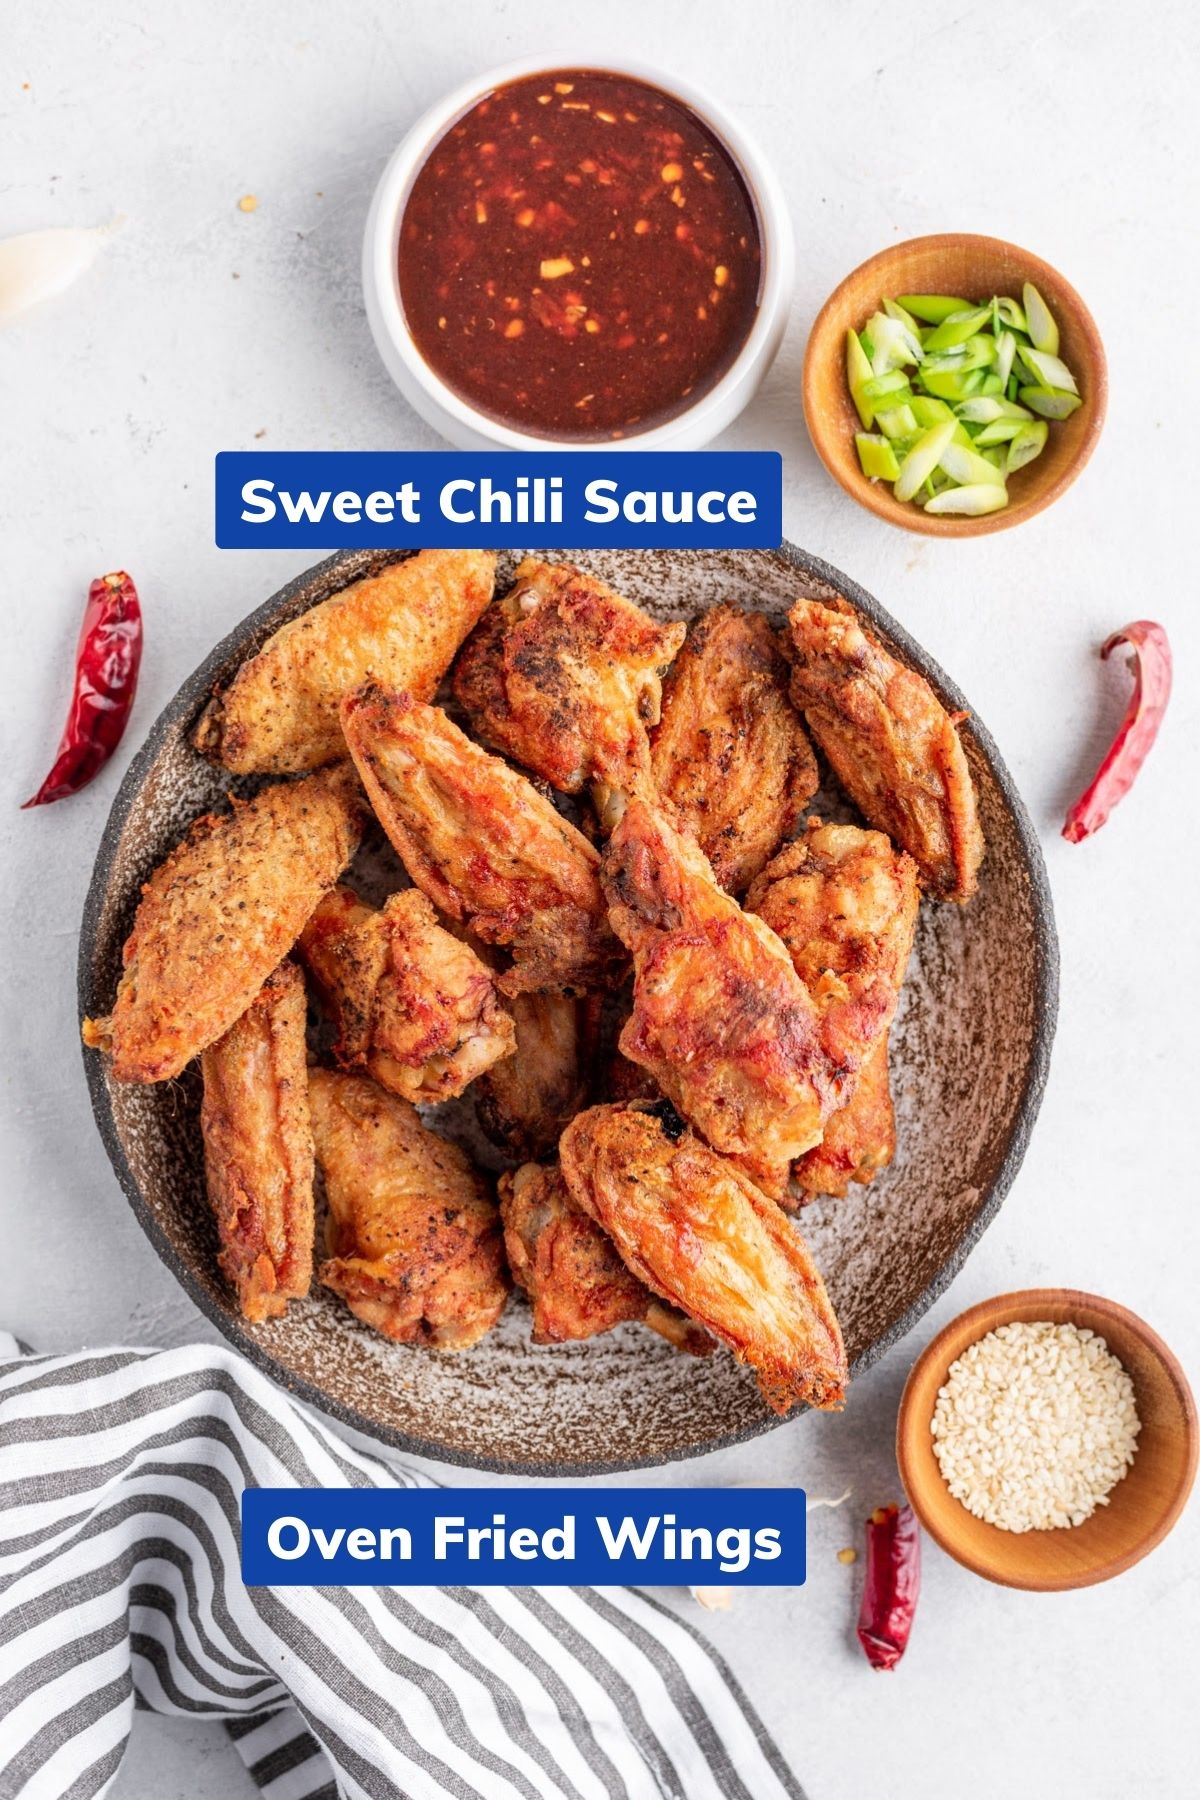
(891, 1585)
(107, 658)
(1151, 665)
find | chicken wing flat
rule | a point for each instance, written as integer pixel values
(564, 676)
(483, 843)
(890, 742)
(860, 1138)
(577, 1284)
(730, 754)
(413, 1005)
(414, 1240)
(845, 904)
(720, 1017)
(691, 1226)
(219, 914)
(525, 1101)
(400, 627)
(258, 1151)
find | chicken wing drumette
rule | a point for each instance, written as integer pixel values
(413, 1005)
(258, 1153)
(564, 675)
(720, 1018)
(415, 1246)
(220, 914)
(401, 627)
(577, 1284)
(483, 843)
(730, 754)
(891, 743)
(690, 1225)
(844, 901)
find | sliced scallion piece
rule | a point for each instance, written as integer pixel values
(1029, 442)
(982, 497)
(957, 327)
(967, 466)
(858, 370)
(933, 308)
(1007, 312)
(1047, 370)
(985, 409)
(1043, 332)
(876, 456)
(1006, 349)
(898, 421)
(998, 432)
(1049, 403)
(923, 458)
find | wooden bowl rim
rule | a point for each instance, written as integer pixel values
(875, 497)
(1003, 1309)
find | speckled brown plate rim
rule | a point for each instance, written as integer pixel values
(187, 701)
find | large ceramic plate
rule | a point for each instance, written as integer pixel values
(970, 1053)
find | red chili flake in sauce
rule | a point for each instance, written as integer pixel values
(579, 256)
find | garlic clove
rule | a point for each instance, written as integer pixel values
(40, 264)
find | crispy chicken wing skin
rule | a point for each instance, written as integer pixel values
(891, 743)
(577, 1284)
(845, 904)
(691, 1226)
(414, 1240)
(400, 627)
(563, 675)
(720, 1017)
(258, 1151)
(526, 1100)
(483, 843)
(219, 914)
(860, 1138)
(413, 1005)
(730, 754)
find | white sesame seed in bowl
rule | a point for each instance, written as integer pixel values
(1035, 1425)
(1047, 1439)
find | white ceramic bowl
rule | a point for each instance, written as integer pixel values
(463, 424)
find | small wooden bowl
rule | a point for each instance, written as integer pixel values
(975, 268)
(1142, 1507)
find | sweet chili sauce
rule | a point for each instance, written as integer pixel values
(579, 256)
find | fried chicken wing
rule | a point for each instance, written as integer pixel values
(258, 1151)
(219, 914)
(400, 627)
(730, 754)
(720, 1018)
(690, 1225)
(563, 675)
(413, 1005)
(890, 742)
(526, 1100)
(414, 1241)
(860, 1138)
(577, 1284)
(483, 843)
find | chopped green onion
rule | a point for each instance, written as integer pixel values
(957, 327)
(897, 421)
(1029, 442)
(923, 458)
(1043, 332)
(984, 497)
(933, 308)
(952, 391)
(1049, 402)
(967, 466)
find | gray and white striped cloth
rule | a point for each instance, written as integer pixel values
(120, 1478)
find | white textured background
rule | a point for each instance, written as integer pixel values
(1069, 128)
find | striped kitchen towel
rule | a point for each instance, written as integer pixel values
(120, 1477)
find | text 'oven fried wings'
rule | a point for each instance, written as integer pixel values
(577, 1284)
(845, 902)
(258, 1153)
(525, 1101)
(400, 627)
(414, 1240)
(730, 754)
(563, 675)
(890, 742)
(483, 843)
(696, 1230)
(412, 1004)
(220, 914)
(720, 1017)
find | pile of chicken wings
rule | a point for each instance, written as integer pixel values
(670, 996)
